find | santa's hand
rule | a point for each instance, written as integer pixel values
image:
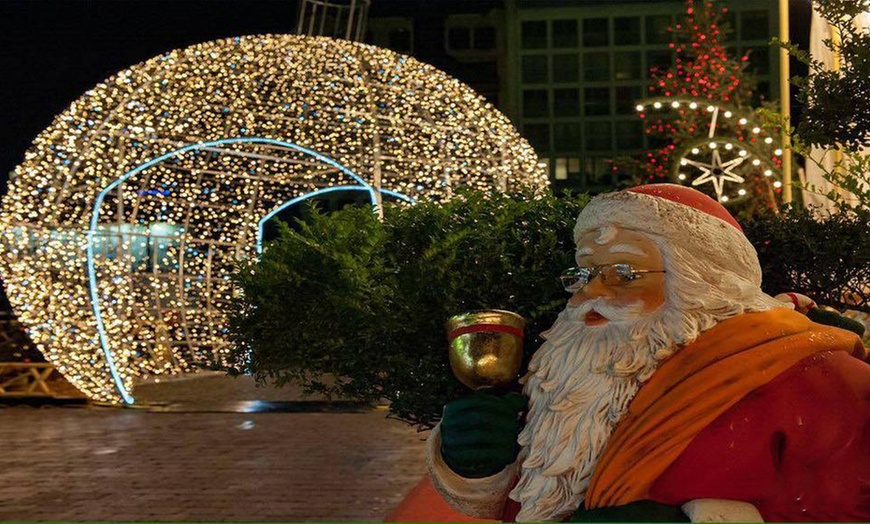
(479, 433)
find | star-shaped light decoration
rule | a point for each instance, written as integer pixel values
(717, 171)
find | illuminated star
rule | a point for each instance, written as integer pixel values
(718, 172)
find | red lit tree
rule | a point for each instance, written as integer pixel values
(705, 74)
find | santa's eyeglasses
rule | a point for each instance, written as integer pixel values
(573, 279)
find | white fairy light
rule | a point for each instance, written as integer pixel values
(639, 108)
(777, 184)
(741, 192)
(675, 104)
(210, 140)
(657, 105)
(778, 152)
(768, 172)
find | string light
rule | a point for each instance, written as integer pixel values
(122, 226)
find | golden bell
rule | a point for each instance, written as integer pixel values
(486, 347)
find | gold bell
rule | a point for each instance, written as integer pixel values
(486, 347)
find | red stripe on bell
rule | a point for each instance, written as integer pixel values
(485, 328)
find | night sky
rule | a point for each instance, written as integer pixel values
(53, 51)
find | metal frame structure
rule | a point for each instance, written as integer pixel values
(124, 224)
(334, 18)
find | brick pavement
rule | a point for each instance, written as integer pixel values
(122, 464)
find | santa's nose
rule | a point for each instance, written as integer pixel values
(594, 289)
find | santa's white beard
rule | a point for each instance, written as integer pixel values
(580, 383)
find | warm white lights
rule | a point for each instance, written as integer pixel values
(122, 226)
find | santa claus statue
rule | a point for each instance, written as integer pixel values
(669, 381)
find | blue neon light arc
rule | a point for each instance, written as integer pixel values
(262, 224)
(95, 219)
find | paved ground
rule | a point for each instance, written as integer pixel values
(120, 464)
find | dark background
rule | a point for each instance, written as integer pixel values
(52, 51)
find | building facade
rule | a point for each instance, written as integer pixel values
(567, 72)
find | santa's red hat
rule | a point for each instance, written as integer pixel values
(682, 216)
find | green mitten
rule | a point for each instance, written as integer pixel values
(640, 511)
(479, 433)
(832, 318)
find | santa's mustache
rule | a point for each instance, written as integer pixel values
(607, 309)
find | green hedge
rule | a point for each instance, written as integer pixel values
(366, 301)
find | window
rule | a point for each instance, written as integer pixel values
(459, 38)
(567, 136)
(566, 68)
(597, 101)
(565, 33)
(627, 66)
(658, 29)
(400, 40)
(534, 35)
(536, 103)
(573, 165)
(754, 25)
(484, 37)
(561, 169)
(538, 135)
(626, 99)
(629, 135)
(596, 66)
(626, 31)
(535, 69)
(759, 60)
(598, 136)
(596, 32)
(659, 61)
(566, 102)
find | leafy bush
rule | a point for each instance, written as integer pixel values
(366, 301)
(823, 256)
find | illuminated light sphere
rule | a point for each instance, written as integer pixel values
(713, 145)
(756, 130)
(756, 162)
(768, 172)
(741, 192)
(768, 140)
(681, 176)
(778, 152)
(657, 105)
(742, 121)
(695, 150)
(742, 153)
(777, 184)
(693, 105)
(122, 226)
(684, 162)
(728, 114)
(675, 104)
(729, 146)
(710, 109)
(724, 198)
(639, 107)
